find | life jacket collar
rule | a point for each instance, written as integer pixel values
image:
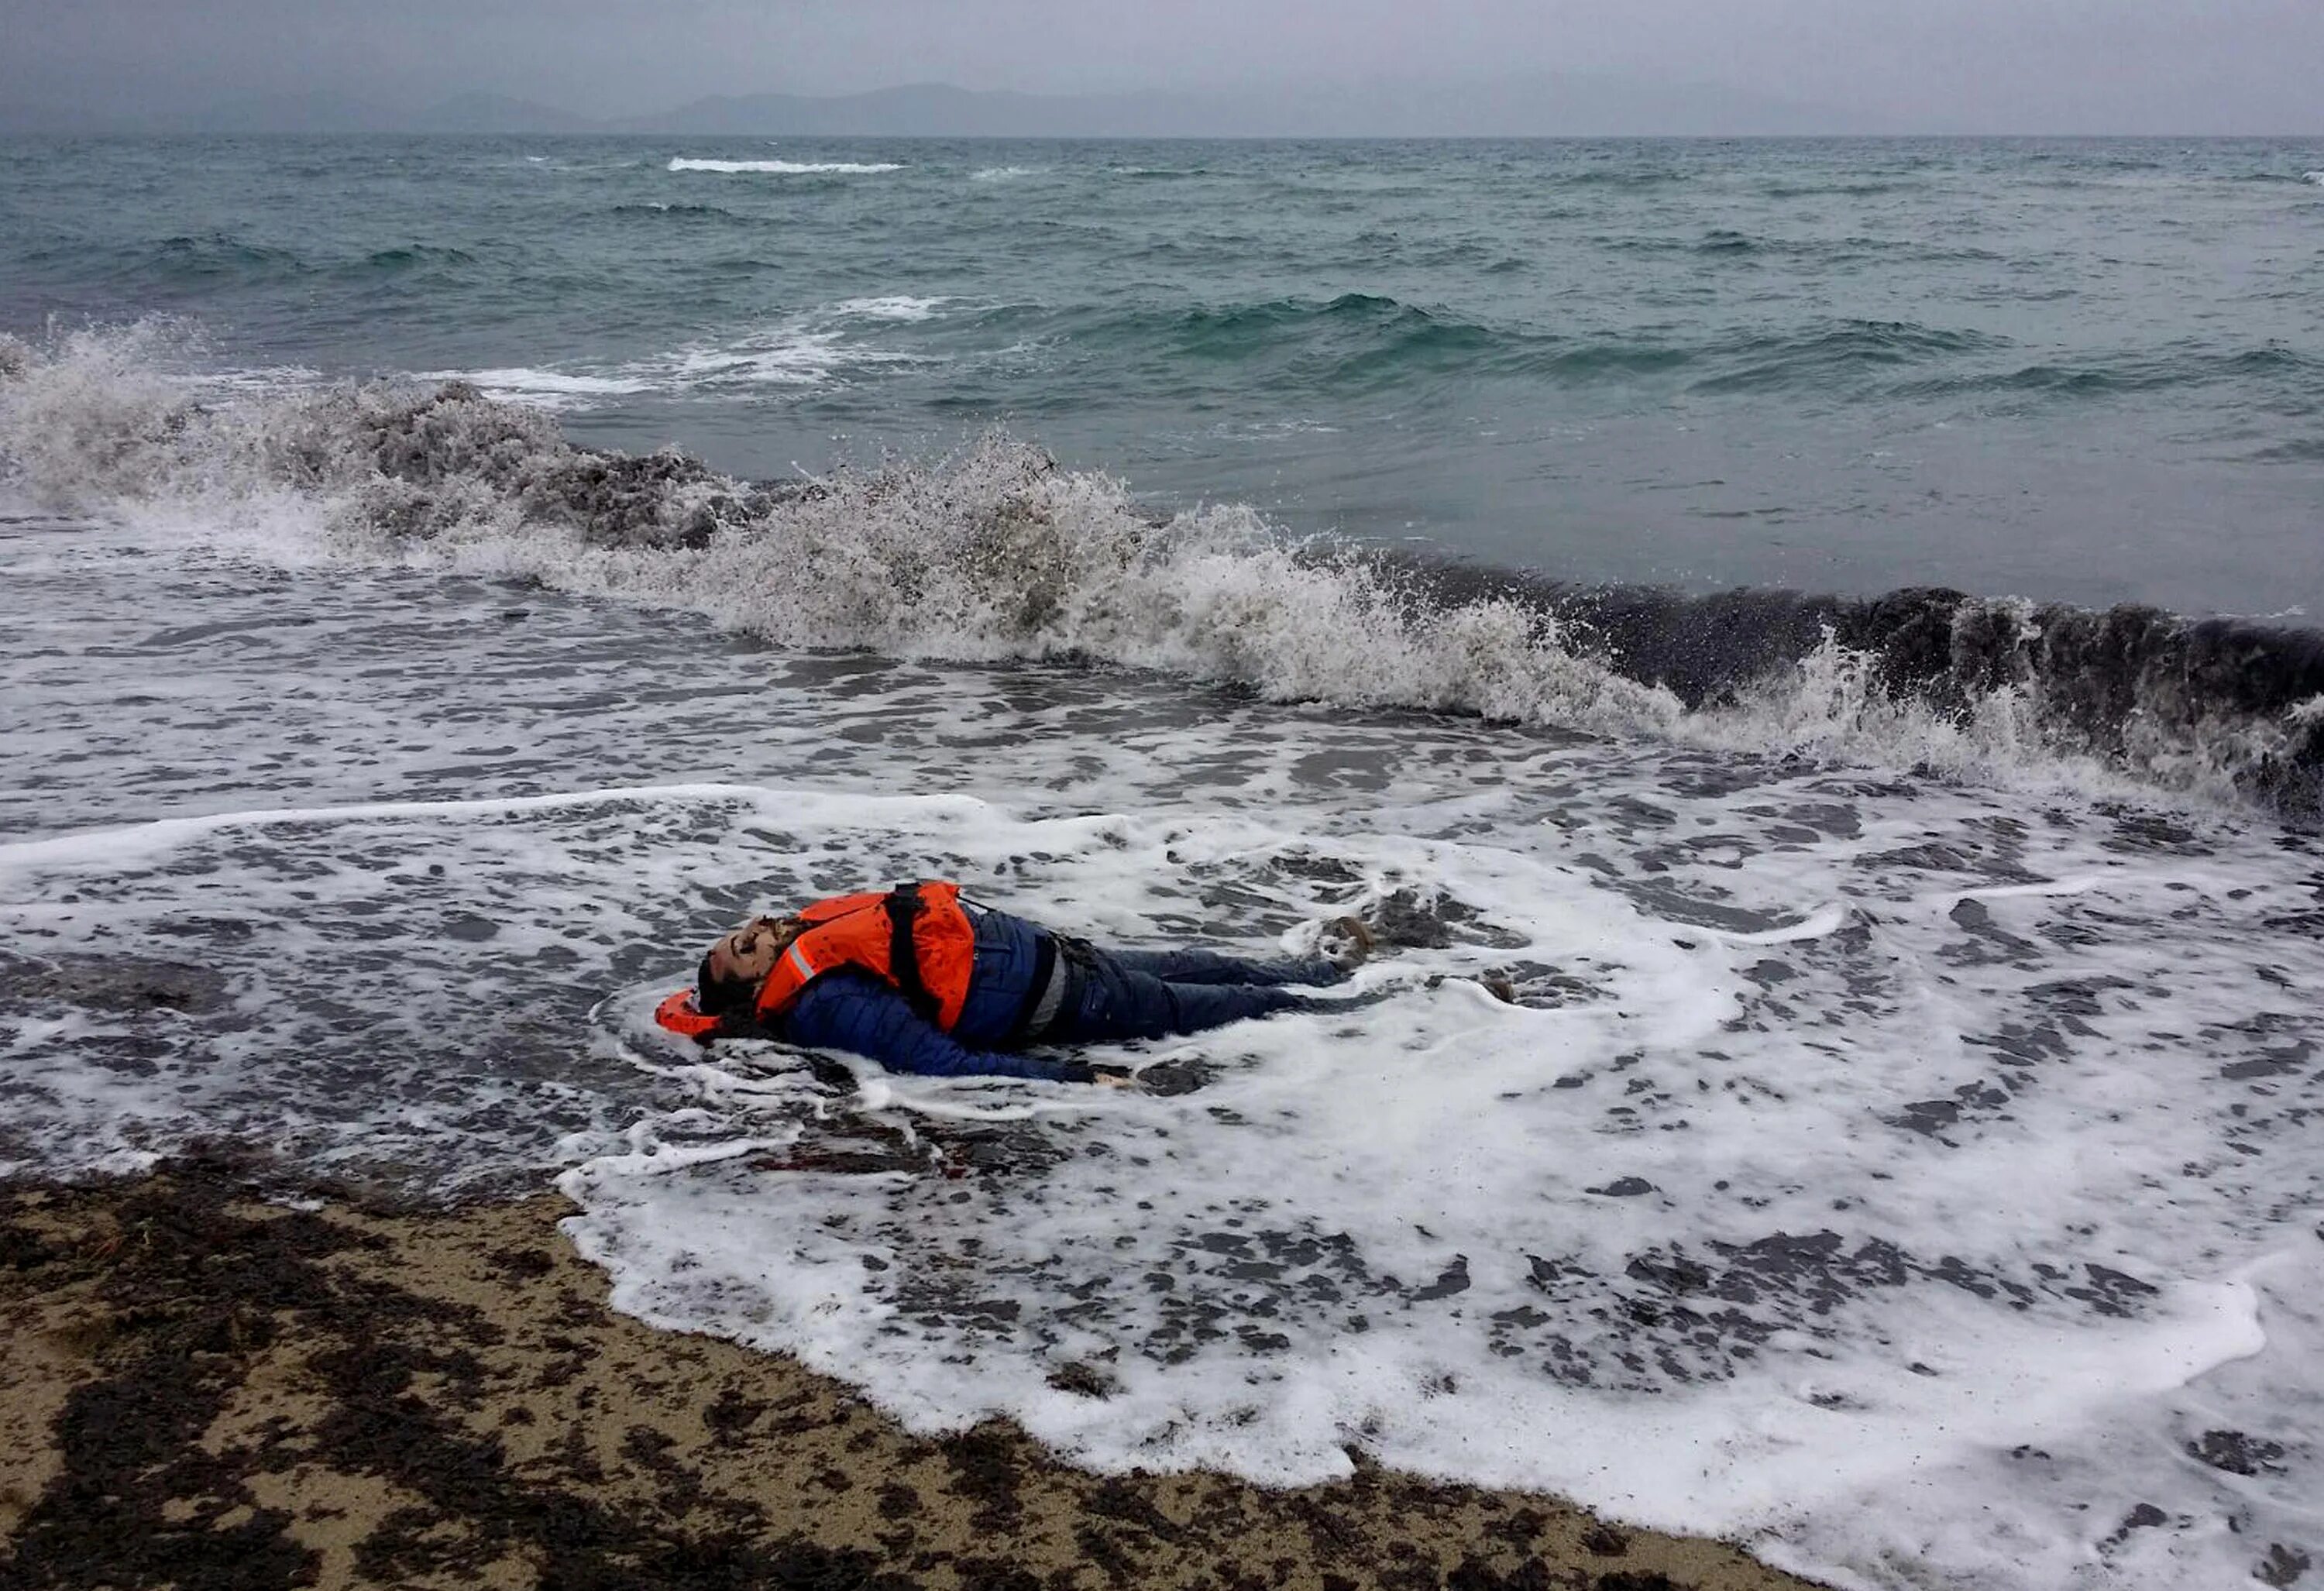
(679, 1015)
(916, 938)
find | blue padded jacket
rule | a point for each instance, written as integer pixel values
(864, 1016)
(1000, 986)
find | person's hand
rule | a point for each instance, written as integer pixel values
(1113, 1077)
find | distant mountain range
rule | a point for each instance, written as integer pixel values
(1545, 108)
(315, 111)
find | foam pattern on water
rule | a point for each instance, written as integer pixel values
(996, 555)
(1899, 1201)
(1915, 1177)
(780, 168)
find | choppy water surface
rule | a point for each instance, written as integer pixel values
(1901, 1152)
(1918, 1178)
(2087, 371)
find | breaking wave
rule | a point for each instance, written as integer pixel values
(997, 554)
(550, 389)
(781, 168)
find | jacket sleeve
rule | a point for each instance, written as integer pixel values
(859, 1014)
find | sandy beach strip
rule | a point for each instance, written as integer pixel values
(203, 1389)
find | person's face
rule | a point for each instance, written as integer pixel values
(750, 952)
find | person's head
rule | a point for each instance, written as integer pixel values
(728, 979)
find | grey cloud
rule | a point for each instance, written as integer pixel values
(2000, 65)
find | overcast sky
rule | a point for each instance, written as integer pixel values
(2003, 65)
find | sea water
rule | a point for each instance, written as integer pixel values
(1900, 1153)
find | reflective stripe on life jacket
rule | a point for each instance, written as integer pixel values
(916, 938)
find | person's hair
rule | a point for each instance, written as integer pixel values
(722, 998)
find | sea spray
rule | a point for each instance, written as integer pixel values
(995, 553)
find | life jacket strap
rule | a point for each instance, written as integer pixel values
(904, 906)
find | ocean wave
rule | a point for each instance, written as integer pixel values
(804, 351)
(1867, 189)
(784, 356)
(781, 168)
(2306, 450)
(1835, 349)
(550, 389)
(1656, 177)
(998, 553)
(2315, 177)
(2137, 371)
(1003, 173)
(415, 256)
(892, 306)
(208, 261)
(203, 259)
(1357, 340)
(2178, 701)
(1821, 252)
(681, 212)
(1234, 320)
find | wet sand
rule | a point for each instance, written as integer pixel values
(202, 1389)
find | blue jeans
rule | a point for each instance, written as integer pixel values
(1112, 995)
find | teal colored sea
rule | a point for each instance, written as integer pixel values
(1830, 629)
(2084, 371)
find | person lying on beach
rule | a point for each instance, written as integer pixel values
(921, 980)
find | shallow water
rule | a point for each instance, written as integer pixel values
(1915, 1177)
(1901, 1152)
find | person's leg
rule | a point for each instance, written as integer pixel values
(1109, 1001)
(1204, 1006)
(1209, 966)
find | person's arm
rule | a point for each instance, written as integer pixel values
(855, 1012)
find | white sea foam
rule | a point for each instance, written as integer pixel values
(806, 351)
(1774, 1209)
(786, 357)
(892, 306)
(548, 388)
(1003, 173)
(2315, 177)
(1545, 1167)
(782, 168)
(801, 352)
(993, 555)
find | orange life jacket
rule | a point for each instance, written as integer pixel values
(916, 938)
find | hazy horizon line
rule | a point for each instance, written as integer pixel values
(494, 114)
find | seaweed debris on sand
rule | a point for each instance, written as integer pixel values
(208, 1388)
